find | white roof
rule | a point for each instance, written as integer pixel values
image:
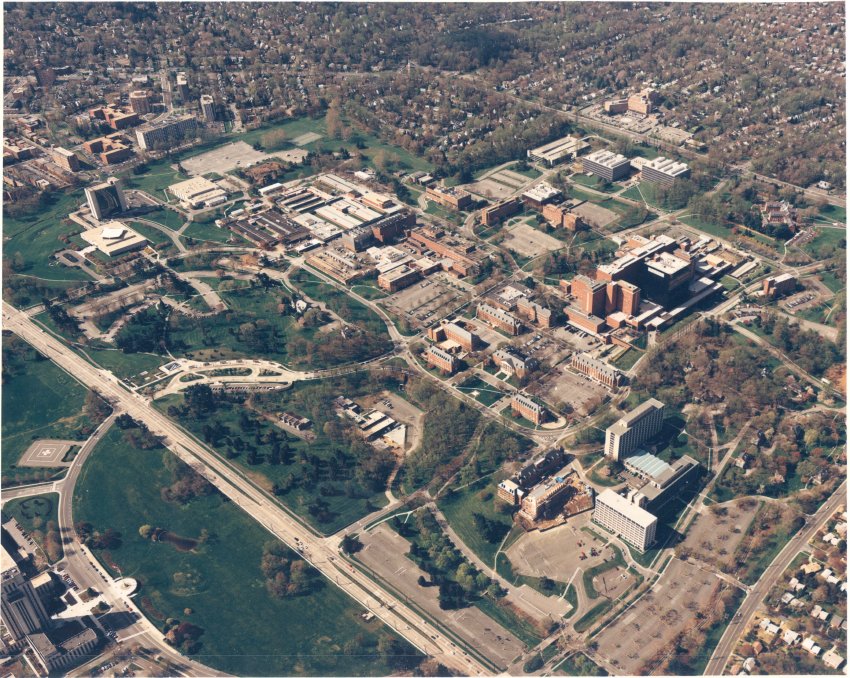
(623, 506)
(112, 233)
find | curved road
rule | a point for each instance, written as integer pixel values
(322, 553)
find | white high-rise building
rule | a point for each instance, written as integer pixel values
(627, 434)
(633, 523)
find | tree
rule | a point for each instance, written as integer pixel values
(274, 140)
(145, 531)
(350, 544)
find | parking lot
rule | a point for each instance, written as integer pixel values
(529, 242)
(384, 551)
(557, 553)
(490, 189)
(546, 350)
(650, 625)
(560, 385)
(714, 536)
(225, 158)
(425, 302)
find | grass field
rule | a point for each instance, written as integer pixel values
(827, 239)
(625, 361)
(166, 217)
(459, 507)
(211, 233)
(36, 236)
(579, 664)
(711, 228)
(595, 182)
(36, 515)
(247, 631)
(125, 365)
(339, 302)
(332, 481)
(38, 401)
(154, 235)
(832, 281)
(643, 192)
(834, 213)
(487, 394)
(158, 175)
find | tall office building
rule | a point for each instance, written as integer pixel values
(633, 523)
(624, 436)
(208, 108)
(22, 611)
(169, 132)
(106, 199)
(140, 102)
(182, 87)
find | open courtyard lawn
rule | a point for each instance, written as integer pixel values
(209, 574)
(31, 239)
(350, 310)
(330, 481)
(39, 517)
(167, 217)
(593, 181)
(157, 176)
(625, 361)
(643, 192)
(39, 400)
(834, 213)
(482, 391)
(827, 242)
(717, 230)
(211, 233)
(154, 235)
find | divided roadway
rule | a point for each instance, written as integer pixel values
(322, 553)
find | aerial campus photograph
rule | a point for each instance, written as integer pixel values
(423, 339)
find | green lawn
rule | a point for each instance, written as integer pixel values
(211, 233)
(832, 281)
(579, 664)
(339, 302)
(642, 192)
(218, 585)
(711, 228)
(595, 182)
(39, 400)
(625, 361)
(36, 236)
(527, 633)
(154, 235)
(39, 516)
(158, 175)
(827, 239)
(834, 213)
(459, 507)
(329, 493)
(124, 365)
(167, 217)
(487, 394)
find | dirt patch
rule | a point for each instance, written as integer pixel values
(259, 479)
(178, 542)
(595, 215)
(527, 241)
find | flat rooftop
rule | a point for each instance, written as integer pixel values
(607, 159)
(624, 507)
(667, 166)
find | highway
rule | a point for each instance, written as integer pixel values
(319, 552)
(741, 621)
